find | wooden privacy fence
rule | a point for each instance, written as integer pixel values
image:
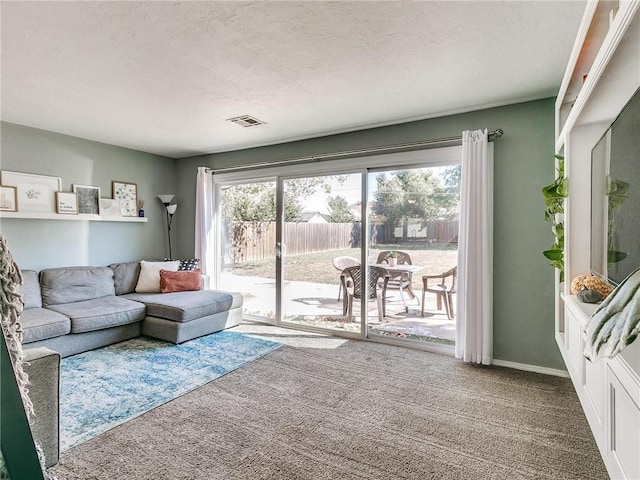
(415, 230)
(439, 231)
(250, 241)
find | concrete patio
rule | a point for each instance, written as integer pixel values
(316, 304)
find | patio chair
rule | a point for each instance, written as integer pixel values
(444, 290)
(341, 263)
(401, 281)
(352, 282)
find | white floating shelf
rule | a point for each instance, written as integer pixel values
(58, 216)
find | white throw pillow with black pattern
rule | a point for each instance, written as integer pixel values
(190, 264)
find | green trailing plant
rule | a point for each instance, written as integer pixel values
(554, 195)
(616, 195)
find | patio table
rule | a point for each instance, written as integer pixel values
(404, 268)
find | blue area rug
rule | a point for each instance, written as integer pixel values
(103, 388)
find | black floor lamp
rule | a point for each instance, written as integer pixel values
(170, 210)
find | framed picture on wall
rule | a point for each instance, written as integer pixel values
(109, 207)
(34, 193)
(67, 203)
(127, 194)
(88, 199)
(8, 199)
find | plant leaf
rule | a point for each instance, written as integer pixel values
(558, 230)
(553, 254)
(615, 257)
(558, 264)
(563, 188)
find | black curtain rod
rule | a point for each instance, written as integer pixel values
(497, 133)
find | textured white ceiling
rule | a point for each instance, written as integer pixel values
(163, 77)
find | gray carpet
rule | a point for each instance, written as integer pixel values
(352, 410)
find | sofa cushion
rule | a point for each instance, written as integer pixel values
(30, 289)
(186, 306)
(101, 313)
(125, 276)
(75, 284)
(181, 281)
(149, 279)
(42, 323)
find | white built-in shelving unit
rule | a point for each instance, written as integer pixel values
(602, 75)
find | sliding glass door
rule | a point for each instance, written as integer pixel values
(247, 241)
(413, 219)
(305, 253)
(321, 236)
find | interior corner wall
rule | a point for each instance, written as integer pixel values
(523, 157)
(38, 244)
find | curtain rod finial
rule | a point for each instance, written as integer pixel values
(497, 133)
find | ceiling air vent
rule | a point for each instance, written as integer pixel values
(246, 121)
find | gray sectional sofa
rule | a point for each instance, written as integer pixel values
(74, 309)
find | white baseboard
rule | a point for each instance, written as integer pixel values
(531, 368)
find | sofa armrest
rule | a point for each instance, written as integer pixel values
(43, 367)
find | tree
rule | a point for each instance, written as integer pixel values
(416, 194)
(248, 208)
(256, 202)
(452, 177)
(249, 202)
(339, 210)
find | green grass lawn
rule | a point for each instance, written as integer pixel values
(318, 267)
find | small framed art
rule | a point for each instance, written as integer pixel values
(67, 203)
(109, 207)
(88, 199)
(8, 199)
(34, 193)
(127, 194)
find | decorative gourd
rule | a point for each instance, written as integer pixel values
(589, 296)
(590, 282)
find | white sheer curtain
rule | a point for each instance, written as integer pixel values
(204, 220)
(474, 324)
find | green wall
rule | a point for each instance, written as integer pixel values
(38, 244)
(523, 281)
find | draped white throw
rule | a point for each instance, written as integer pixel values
(204, 220)
(474, 324)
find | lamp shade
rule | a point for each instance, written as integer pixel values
(166, 199)
(171, 209)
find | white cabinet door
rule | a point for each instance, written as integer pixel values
(622, 428)
(573, 345)
(593, 393)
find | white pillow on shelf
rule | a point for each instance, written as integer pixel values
(149, 279)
